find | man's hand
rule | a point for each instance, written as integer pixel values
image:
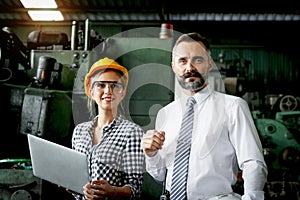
(152, 141)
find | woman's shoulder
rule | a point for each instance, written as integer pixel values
(127, 121)
(84, 125)
(130, 124)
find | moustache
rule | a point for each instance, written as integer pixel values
(191, 74)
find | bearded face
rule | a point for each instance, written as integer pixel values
(191, 81)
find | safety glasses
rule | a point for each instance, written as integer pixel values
(113, 85)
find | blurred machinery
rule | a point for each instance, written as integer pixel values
(36, 98)
(14, 57)
(17, 180)
(279, 128)
(42, 93)
(277, 119)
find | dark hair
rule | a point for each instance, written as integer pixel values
(192, 37)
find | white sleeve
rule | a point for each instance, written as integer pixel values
(248, 147)
(155, 168)
(155, 165)
(255, 177)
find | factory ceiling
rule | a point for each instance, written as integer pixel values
(157, 11)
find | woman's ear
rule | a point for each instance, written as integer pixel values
(92, 93)
(124, 93)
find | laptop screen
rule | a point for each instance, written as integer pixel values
(58, 164)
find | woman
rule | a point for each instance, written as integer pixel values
(111, 142)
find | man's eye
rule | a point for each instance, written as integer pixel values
(198, 60)
(182, 61)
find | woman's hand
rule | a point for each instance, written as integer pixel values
(99, 189)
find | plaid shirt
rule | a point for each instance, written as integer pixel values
(118, 157)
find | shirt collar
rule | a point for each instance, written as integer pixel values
(199, 96)
(118, 119)
(202, 95)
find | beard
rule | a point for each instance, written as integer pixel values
(191, 85)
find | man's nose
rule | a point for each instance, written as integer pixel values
(189, 66)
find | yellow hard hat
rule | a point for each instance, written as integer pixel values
(105, 63)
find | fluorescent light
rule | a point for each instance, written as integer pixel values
(45, 15)
(39, 3)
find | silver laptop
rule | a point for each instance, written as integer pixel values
(58, 164)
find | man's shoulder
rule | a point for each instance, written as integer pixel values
(229, 100)
(228, 96)
(170, 105)
(170, 109)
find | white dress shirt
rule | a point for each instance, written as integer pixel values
(224, 139)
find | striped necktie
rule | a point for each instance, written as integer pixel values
(180, 169)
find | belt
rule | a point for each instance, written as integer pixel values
(230, 196)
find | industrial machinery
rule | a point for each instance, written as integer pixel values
(13, 57)
(45, 97)
(50, 100)
(17, 183)
(280, 136)
(36, 98)
(277, 119)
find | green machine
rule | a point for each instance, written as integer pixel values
(280, 139)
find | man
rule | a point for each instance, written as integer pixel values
(224, 137)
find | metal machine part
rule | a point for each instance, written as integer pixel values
(13, 55)
(17, 181)
(280, 140)
(21, 195)
(71, 62)
(290, 158)
(288, 103)
(275, 138)
(43, 112)
(282, 190)
(49, 72)
(291, 119)
(45, 39)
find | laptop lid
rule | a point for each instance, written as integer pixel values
(58, 164)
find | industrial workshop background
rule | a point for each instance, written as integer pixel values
(255, 46)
